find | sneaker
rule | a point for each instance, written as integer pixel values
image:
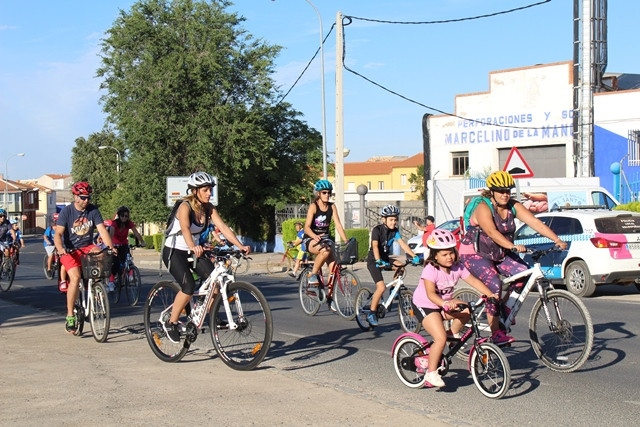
(63, 286)
(292, 274)
(314, 280)
(433, 379)
(70, 325)
(222, 324)
(421, 363)
(332, 306)
(500, 337)
(372, 318)
(171, 329)
(111, 287)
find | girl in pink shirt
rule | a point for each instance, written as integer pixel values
(432, 300)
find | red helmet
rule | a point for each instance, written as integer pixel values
(55, 216)
(82, 188)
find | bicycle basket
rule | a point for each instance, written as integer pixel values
(97, 264)
(347, 253)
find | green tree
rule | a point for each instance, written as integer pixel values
(417, 179)
(188, 89)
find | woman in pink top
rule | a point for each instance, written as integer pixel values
(119, 231)
(432, 298)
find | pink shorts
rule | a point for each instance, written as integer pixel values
(74, 259)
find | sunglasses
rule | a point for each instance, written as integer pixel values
(85, 197)
(325, 192)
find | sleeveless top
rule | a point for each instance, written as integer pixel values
(322, 220)
(476, 240)
(177, 241)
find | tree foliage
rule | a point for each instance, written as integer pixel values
(417, 179)
(188, 89)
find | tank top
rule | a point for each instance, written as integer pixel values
(321, 220)
(482, 244)
(177, 241)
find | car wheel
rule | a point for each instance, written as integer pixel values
(578, 279)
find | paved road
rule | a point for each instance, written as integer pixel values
(320, 370)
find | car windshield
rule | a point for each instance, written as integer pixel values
(450, 225)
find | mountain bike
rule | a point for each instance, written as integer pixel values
(342, 286)
(129, 279)
(408, 321)
(560, 326)
(282, 262)
(7, 269)
(487, 363)
(239, 319)
(92, 299)
(55, 265)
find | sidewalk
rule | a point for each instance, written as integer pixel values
(51, 378)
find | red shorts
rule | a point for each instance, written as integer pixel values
(74, 259)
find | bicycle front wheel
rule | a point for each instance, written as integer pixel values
(99, 312)
(490, 370)
(278, 263)
(157, 311)
(404, 355)
(7, 273)
(309, 299)
(408, 321)
(344, 294)
(132, 283)
(471, 295)
(564, 343)
(246, 346)
(362, 308)
(49, 274)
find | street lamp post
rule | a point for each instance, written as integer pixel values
(6, 183)
(102, 147)
(324, 121)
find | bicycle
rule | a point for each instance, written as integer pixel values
(342, 284)
(408, 321)
(92, 298)
(487, 363)
(560, 326)
(282, 262)
(240, 319)
(7, 270)
(239, 262)
(128, 278)
(55, 265)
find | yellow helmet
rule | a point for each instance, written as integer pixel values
(500, 180)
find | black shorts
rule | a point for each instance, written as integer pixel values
(422, 312)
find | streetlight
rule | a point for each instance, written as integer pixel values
(102, 147)
(6, 183)
(324, 121)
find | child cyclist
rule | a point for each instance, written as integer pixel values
(301, 256)
(432, 299)
(382, 238)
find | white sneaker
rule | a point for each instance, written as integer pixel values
(111, 287)
(433, 379)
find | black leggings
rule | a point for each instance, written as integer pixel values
(123, 250)
(180, 268)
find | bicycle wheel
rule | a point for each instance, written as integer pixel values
(99, 312)
(308, 296)
(471, 295)
(78, 311)
(132, 283)
(490, 371)
(408, 321)
(404, 354)
(157, 310)
(344, 294)
(278, 263)
(564, 344)
(7, 274)
(362, 308)
(49, 274)
(246, 346)
(240, 265)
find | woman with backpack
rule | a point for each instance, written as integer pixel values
(192, 217)
(487, 248)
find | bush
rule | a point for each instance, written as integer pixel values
(362, 236)
(157, 241)
(148, 240)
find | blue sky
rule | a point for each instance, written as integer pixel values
(48, 58)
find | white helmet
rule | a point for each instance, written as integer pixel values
(441, 239)
(389, 210)
(200, 179)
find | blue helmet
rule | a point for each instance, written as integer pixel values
(323, 184)
(3, 212)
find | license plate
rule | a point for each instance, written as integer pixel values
(633, 246)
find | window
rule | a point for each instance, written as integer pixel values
(634, 147)
(369, 185)
(460, 163)
(403, 179)
(562, 225)
(380, 185)
(351, 186)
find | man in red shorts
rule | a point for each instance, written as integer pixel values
(74, 238)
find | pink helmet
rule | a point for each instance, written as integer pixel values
(441, 239)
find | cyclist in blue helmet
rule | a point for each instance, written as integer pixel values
(321, 212)
(7, 235)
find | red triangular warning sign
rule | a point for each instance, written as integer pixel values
(516, 165)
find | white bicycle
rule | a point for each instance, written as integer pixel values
(560, 326)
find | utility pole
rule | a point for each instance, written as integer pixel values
(339, 187)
